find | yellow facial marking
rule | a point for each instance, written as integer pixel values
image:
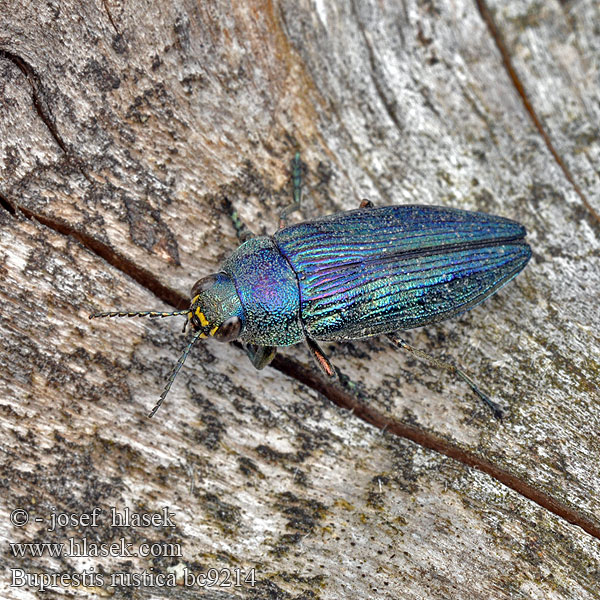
(212, 331)
(200, 315)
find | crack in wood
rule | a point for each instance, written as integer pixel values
(7, 205)
(38, 97)
(434, 442)
(519, 86)
(110, 18)
(117, 260)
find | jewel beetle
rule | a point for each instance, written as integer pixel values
(351, 275)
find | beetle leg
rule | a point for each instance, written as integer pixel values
(241, 230)
(260, 356)
(400, 343)
(364, 203)
(296, 193)
(319, 356)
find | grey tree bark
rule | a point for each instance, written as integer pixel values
(128, 132)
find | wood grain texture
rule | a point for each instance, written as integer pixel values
(128, 130)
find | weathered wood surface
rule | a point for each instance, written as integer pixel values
(125, 131)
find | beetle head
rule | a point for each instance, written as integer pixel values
(216, 310)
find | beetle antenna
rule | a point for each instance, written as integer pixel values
(144, 313)
(174, 372)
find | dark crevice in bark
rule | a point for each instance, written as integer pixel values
(7, 205)
(518, 84)
(335, 393)
(114, 258)
(41, 106)
(110, 18)
(429, 440)
(38, 95)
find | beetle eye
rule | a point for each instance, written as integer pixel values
(204, 284)
(230, 330)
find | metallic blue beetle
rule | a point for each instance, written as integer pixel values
(352, 275)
